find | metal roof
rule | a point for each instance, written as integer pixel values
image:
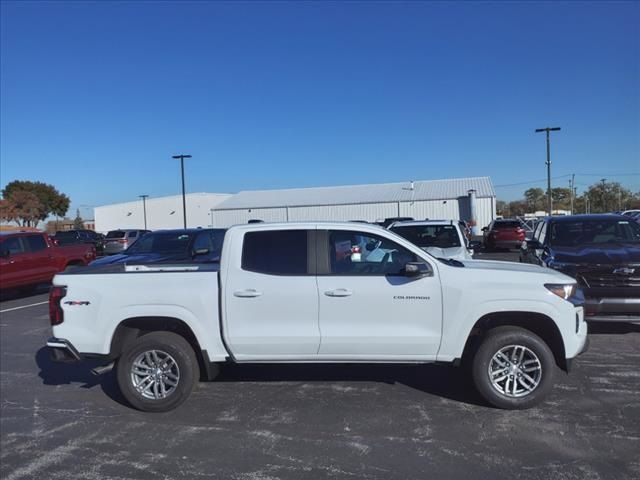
(356, 194)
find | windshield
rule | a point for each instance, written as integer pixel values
(442, 236)
(569, 234)
(166, 243)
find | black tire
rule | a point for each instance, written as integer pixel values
(505, 338)
(175, 348)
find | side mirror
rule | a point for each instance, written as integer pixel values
(475, 244)
(200, 251)
(5, 254)
(417, 269)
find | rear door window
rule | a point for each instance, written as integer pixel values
(132, 234)
(36, 243)
(276, 252)
(115, 234)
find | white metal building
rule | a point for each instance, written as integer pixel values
(461, 198)
(436, 199)
(162, 212)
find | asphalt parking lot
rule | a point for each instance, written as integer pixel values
(291, 422)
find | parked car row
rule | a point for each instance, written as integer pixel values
(30, 258)
(602, 252)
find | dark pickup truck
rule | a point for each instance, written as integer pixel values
(30, 258)
(602, 252)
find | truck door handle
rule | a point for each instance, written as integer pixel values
(338, 292)
(249, 293)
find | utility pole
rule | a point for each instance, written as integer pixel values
(604, 201)
(572, 189)
(144, 208)
(547, 130)
(184, 200)
(620, 199)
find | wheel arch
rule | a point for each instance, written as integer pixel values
(537, 323)
(130, 329)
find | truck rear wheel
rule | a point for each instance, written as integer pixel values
(157, 372)
(513, 368)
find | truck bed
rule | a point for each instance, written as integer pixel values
(100, 297)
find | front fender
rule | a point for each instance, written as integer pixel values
(456, 331)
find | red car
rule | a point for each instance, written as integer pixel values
(504, 233)
(30, 258)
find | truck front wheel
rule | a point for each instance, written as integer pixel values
(513, 368)
(157, 372)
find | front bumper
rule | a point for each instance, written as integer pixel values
(63, 351)
(612, 309)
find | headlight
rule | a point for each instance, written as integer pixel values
(563, 290)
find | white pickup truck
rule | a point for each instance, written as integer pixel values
(319, 292)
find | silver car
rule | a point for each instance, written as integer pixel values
(117, 241)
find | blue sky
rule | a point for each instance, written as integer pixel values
(97, 96)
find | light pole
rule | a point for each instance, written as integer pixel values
(184, 200)
(604, 201)
(548, 129)
(144, 208)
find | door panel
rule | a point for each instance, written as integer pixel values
(271, 297)
(381, 315)
(12, 268)
(39, 259)
(368, 309)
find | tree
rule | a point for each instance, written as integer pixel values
(518, 208)
(535, 198)
(561, 197)
(23, 207)
(608, 197)
(78, 224)
(7, 210)
(501, 208)
(52, 202)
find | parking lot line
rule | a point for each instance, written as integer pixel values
(24, 306)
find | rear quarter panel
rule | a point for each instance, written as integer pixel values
(191, 297)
